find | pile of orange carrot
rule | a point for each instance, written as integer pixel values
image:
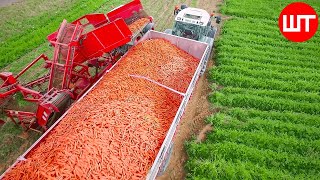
(117, 129)
(138, 24)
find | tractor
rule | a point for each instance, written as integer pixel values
(195, 24)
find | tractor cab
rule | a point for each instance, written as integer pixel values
(195, 24)
(191, 23)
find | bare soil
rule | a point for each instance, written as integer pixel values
(4, 3)
(203, 133)
(193, 121)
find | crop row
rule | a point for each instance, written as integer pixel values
(265, 28)
(263, 140)
(270, 67)
(234, 152)
(259, 9)
(264, 103)
(268, 45)
(31, 15)
(223, 169)
(251, 54)
(269, 74)
(285, 116)
(237, 80)
(295, 96)
(272, 127)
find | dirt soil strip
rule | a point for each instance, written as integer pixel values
(4, 3)
(198, 108)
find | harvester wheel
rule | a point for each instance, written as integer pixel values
(147, 28)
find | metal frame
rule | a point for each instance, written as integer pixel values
(24, 89)
(187, 44)
(195, 48)
(36, 144)
(74, 53)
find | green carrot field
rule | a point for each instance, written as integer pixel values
(267, 89)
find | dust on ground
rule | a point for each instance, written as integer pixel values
(203, 133)
(198, 108)
(4, 3)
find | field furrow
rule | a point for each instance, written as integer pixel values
(295, 96)
(263, 140)
(264, 103)
(274, 67)
(269, 74)
(222, 169)
(286, 116)
(274, 127)
(239, 80)
(234, 152)
(253, 55)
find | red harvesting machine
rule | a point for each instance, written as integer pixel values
(83, 51)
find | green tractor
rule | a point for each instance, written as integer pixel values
(196, 24)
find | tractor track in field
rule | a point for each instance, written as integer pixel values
(198, 108)
(166, 14)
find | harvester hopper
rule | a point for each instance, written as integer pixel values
(84, 50)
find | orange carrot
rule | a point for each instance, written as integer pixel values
(117, 129)
(138, 24)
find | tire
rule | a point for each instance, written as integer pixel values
(211, 33)
(183, 6)
(148, 28)
(218, 19)
(203, 69)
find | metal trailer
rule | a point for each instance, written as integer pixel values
(207, 40)
(197, 49)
